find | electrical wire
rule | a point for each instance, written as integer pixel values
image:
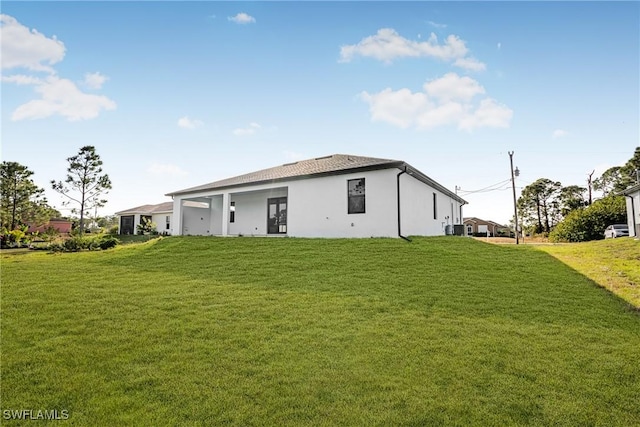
(486, 189)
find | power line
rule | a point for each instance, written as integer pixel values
(486, 189)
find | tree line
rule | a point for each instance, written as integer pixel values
(569, 213)
(23, 203)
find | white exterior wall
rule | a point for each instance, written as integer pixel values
(196, 221)
(215, 225)
(161, 222)
(251, 211)
(416, 207)
(318, 207)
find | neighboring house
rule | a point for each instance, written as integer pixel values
(333, 196)
(62, 226)
(632, 195)
(479, 227)
(161, 214)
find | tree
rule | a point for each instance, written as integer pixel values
(608, 181)
(618, 178)
(536, 203)
(630, 172)
(85, 183)
(22, 201)
(589, 223)
(571, 198)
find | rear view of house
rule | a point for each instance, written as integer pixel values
(160, 214)
(333, 196)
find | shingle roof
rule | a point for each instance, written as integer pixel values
(148, 209)
(336, 163)
(320, 166)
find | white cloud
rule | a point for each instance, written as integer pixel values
(21, 79)
(250, 130)
(25, 48)
(95, 80)
(436, 25)
(469, 63)
(559, 133)
(165, 169)
(59, 97)
(187, 123)
(387, 45)
(452, 86)
(447, 101)
(242, 18)
(396, 107)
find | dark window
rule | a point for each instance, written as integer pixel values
(232, 212)
(356, 196)
(168, 221)
(435, 206)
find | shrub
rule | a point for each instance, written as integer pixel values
(113, 230)
(146, 226)
(15, 238)
(75, 244)
(108, 242)
(588, 223)
(56, 247)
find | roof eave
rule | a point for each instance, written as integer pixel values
(389, 165)
(424, 178)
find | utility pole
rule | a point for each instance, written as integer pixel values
(590, 183)
(515, 205)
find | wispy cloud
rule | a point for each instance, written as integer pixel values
(448, 101)
(249, 130)
(187, 123)
(242, 18)
(559, 133)
(387, 45)
(95, 80)
(60, 97)
(436, 25)
(166, 169)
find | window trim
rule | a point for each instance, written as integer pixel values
(351, 211)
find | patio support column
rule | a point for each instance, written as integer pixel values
(225, 214)
(176, 227)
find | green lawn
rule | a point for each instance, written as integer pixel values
(255, 331)
(613, 263)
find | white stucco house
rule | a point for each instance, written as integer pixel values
(332, 196)
(161, 214)
(632, 194)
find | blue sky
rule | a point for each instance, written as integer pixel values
(177, 94)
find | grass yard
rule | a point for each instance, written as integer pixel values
(251, 331)
(613, 263)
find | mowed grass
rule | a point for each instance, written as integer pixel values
(613, 263)
(254, 331)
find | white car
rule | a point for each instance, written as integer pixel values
(616, 230)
